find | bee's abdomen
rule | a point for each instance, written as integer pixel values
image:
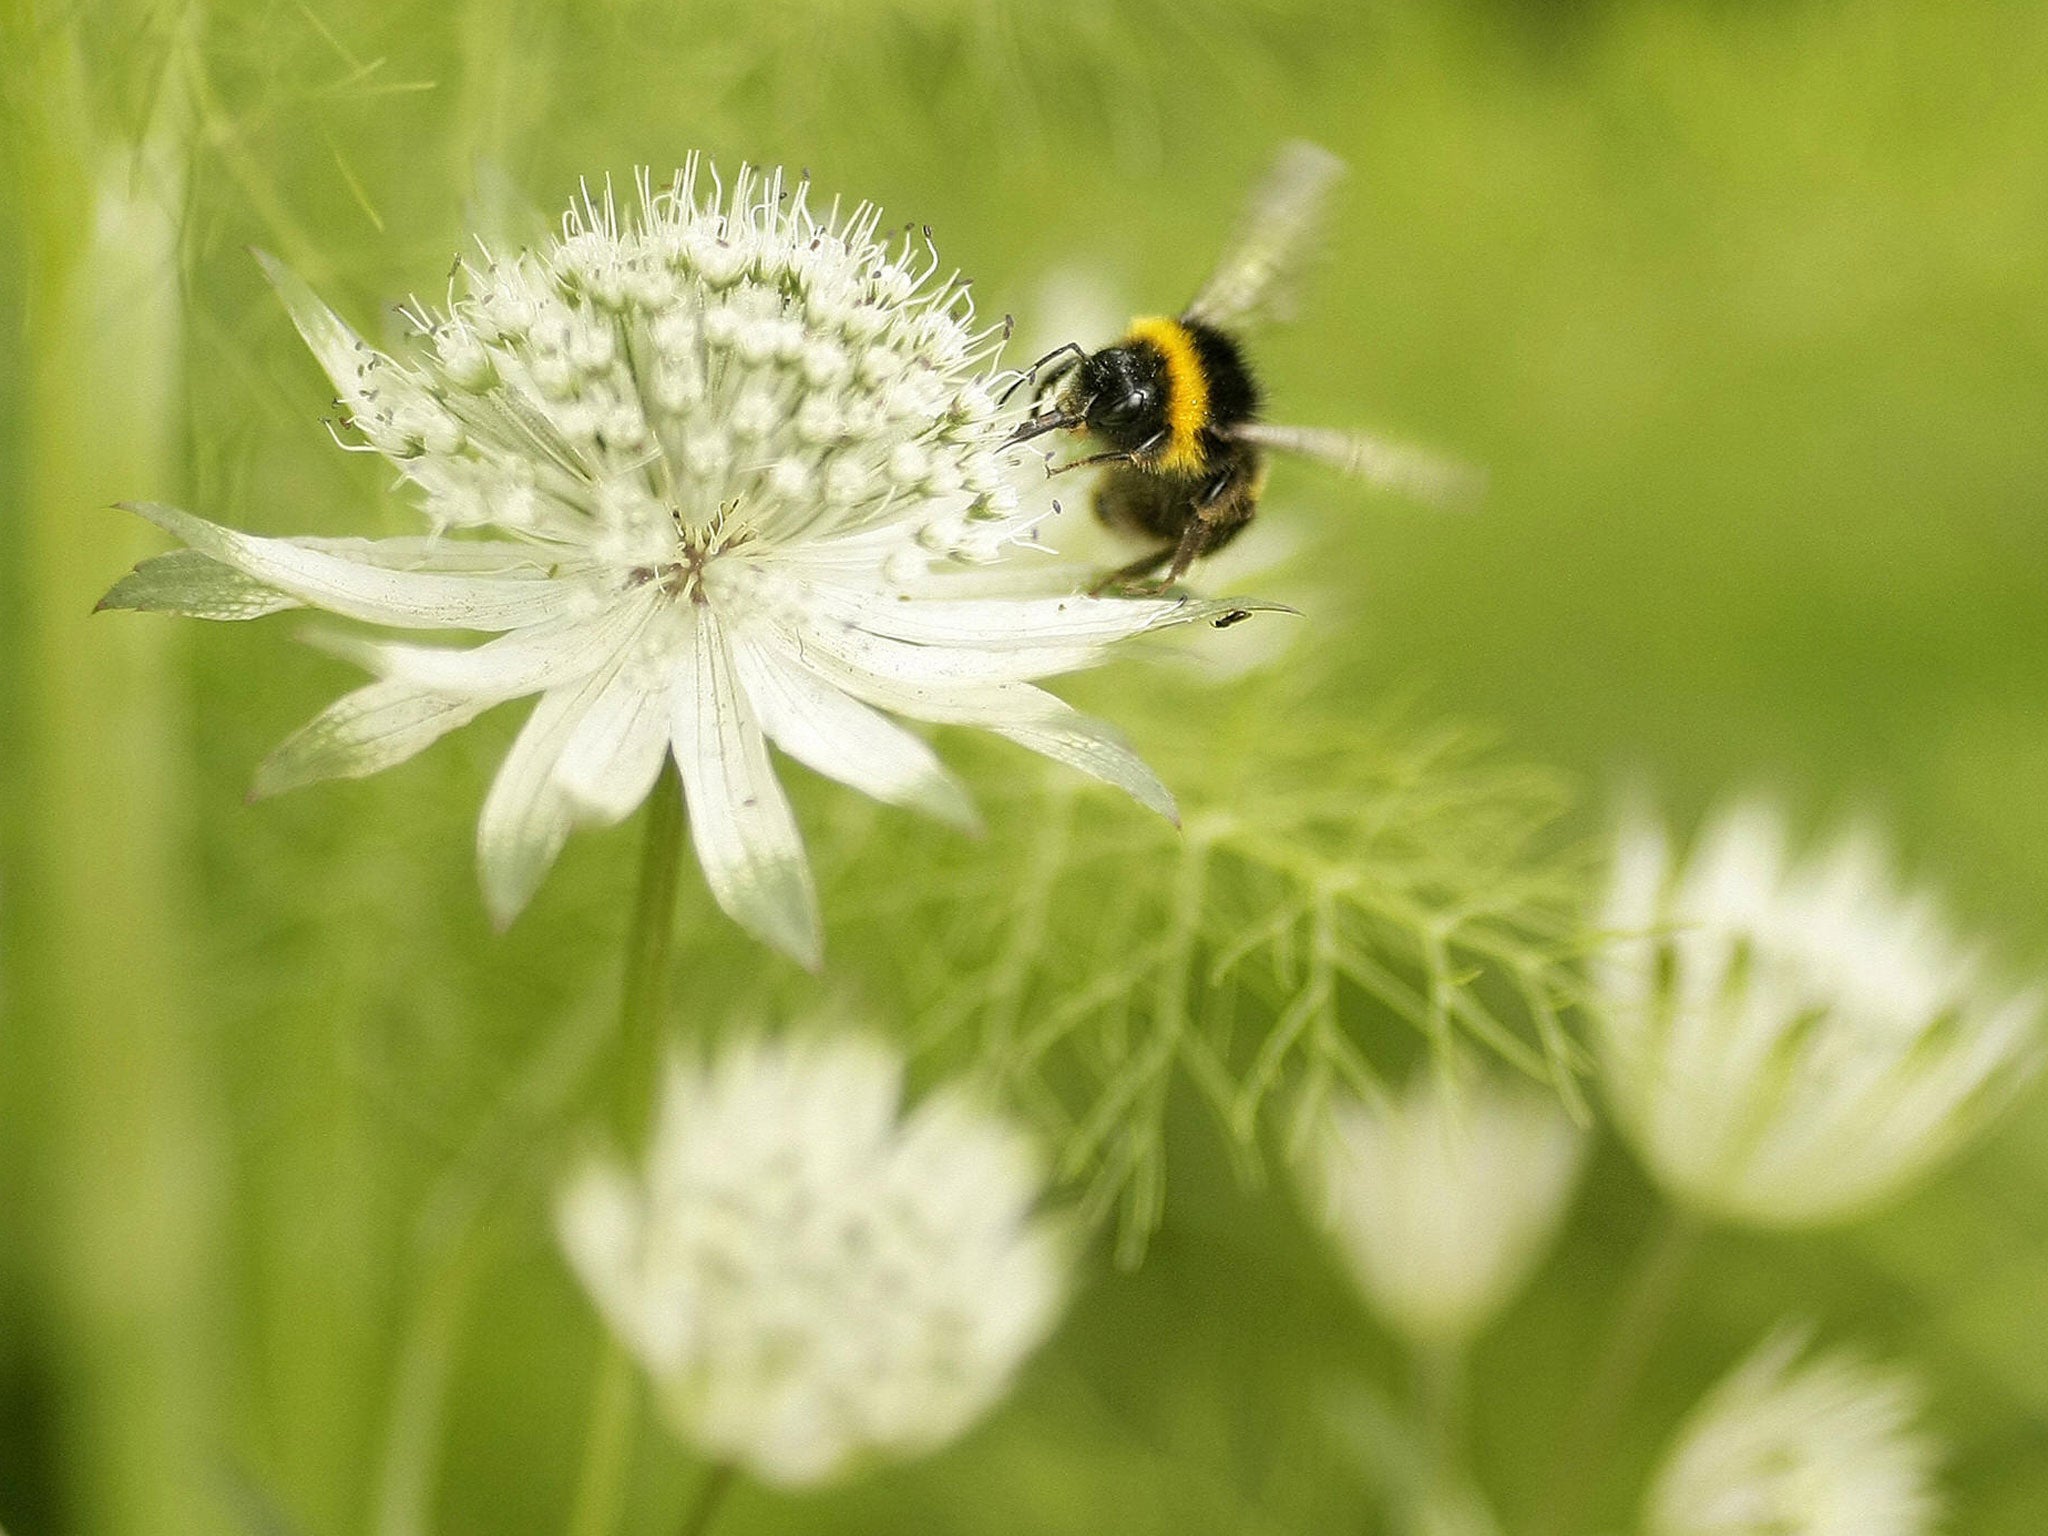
(1144, 505)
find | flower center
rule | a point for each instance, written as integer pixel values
(682, 578)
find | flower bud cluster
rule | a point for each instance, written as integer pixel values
(724, 363)
(1792, 1040)
(812, 1276)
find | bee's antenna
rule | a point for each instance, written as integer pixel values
(1032, 372)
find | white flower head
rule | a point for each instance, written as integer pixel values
(714, 471)
(1443, 1199)
(811, 1277)
(1781, 1448)
(1791, 1041)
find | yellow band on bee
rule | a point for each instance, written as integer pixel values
(1187, 391)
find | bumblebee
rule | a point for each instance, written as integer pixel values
(1174, 405)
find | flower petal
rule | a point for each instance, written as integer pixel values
(928, 638)
(437, 552)
(342, 353)
(356, 590)
(361, 733)
(528, 660)
(825, 730)
(526, 818)
(184, 581)
(616, 751)
(740, 820)
(914, 663)
(1029, 716)
(1011, 623)
(1095, 747)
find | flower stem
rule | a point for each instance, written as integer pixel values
(1642, 1307)
(710, 1499)
(1439, 1405)
(607, 1445)
(1439, 1483)
(643, 1001)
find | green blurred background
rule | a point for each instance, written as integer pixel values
(1742, 305)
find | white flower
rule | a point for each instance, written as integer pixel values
(1782, 1449)
(711, 473)
(810, 1277)
(1791, 1042)
(1443, 1199)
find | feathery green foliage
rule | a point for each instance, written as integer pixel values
(1339, 897)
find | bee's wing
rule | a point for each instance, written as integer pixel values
(1397, 466)
(1274, 236)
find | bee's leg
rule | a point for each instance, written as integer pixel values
(1129, 580)
(1114, 456)
(1194, 542)
(1088, 463)
(1223, 507)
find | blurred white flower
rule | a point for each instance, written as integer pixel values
(712, 471)
(1442, 1200)
(1789, 1042)
(1779, 1448)
(810, 1276)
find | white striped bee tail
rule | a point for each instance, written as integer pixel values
(1413, 472)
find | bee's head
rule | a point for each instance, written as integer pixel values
(1120, 395)
(1117, 394)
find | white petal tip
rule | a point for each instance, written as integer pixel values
(152, 511)
(1150, 791)
(283, 770)
(291, 287)
(806, 948)
(505, 899)
(1154, 797)
(783, 914)
(946, 800)
(791, 928)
